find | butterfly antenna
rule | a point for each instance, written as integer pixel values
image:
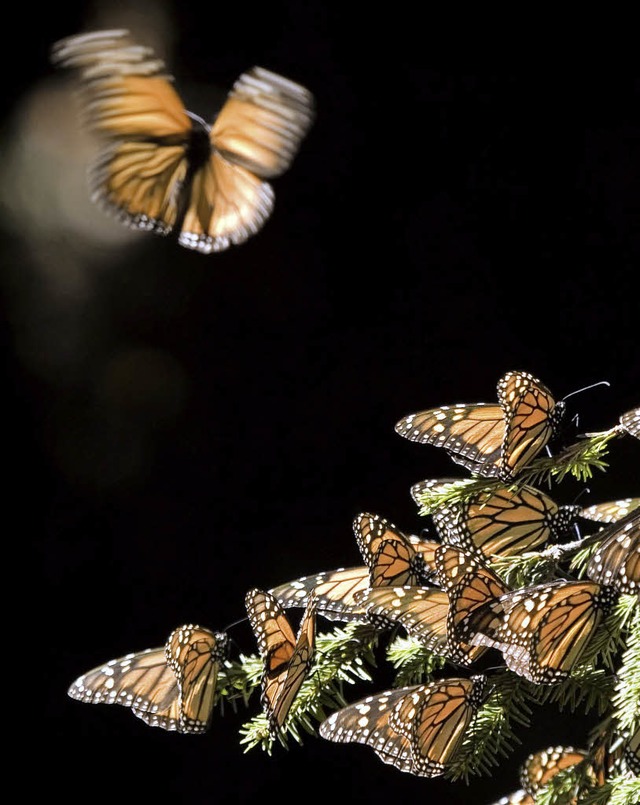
(586, 388)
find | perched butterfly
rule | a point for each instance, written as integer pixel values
(423, 613)
(610, 511)
(417, 729)
(542, 766)
(492, 440)
(470, 585)
(501, 521)
(164, 169)
(616, 561)
(543, 630)
(336, 592)
(630, 422)
(393, 558)
(539, 768)
(287, 658)
(172, 687)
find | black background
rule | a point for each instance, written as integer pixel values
(465, 204)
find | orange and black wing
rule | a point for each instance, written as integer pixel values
(472, 434)
(287, 658)
(336, 592)
(610, 511)
(255, 137)
(196, 655)
(128, 100)
(542, 766)
(616, 561)
(531, 416)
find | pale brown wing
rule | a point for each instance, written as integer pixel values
(142, 681)
(336, 592)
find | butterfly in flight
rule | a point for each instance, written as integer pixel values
(172, 687)
(616, 561)
(287, 658)
(610, 511)
(501, 521)
(164, 169)
(393, 558)
(492, 440)
(417, 728)
(542, 630)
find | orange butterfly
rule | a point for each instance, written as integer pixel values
(164, 169)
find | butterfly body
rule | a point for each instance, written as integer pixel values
(164, 169)
(172, 687)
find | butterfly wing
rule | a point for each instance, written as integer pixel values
(142, 681)
(610, 511)
(128, 100)
(421, 611)
(286, 658)
(616, 561)
(472, 434)
(504, 521)
(196, 654)
(336, 592)
(255, 136)
(630, 422)
(542, 631)
(531, 417)
(391, 556)
(542, 766)
(434, 719)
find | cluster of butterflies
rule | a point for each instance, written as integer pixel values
(163, 169)
(441, 591)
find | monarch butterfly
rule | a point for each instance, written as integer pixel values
(630, 422)
(336, 592)
(616, 561)
(501, 521)
(286, 658)
(543, 630)
(164, 169)
(423, 613)
(610, 511)
(632, 752)
(495, 441)
(539, 768)
(392, 557)
(417, 729)
(470, 585)
(172, 687)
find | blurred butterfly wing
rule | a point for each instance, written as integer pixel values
(471, 434)
(531, 417)
(504, 522)
(610, 511)
(616, 561)
(543, 630)
(519, 797)
(255, 136)
(142, 681)
(630, 422)
(336, 592)
(127, 99)
(195, 654)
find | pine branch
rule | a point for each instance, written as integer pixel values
(624, 791)
(414, 662)
(587, 686)
(342, 656)
(626, 700)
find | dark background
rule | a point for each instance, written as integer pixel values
(186, 427)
